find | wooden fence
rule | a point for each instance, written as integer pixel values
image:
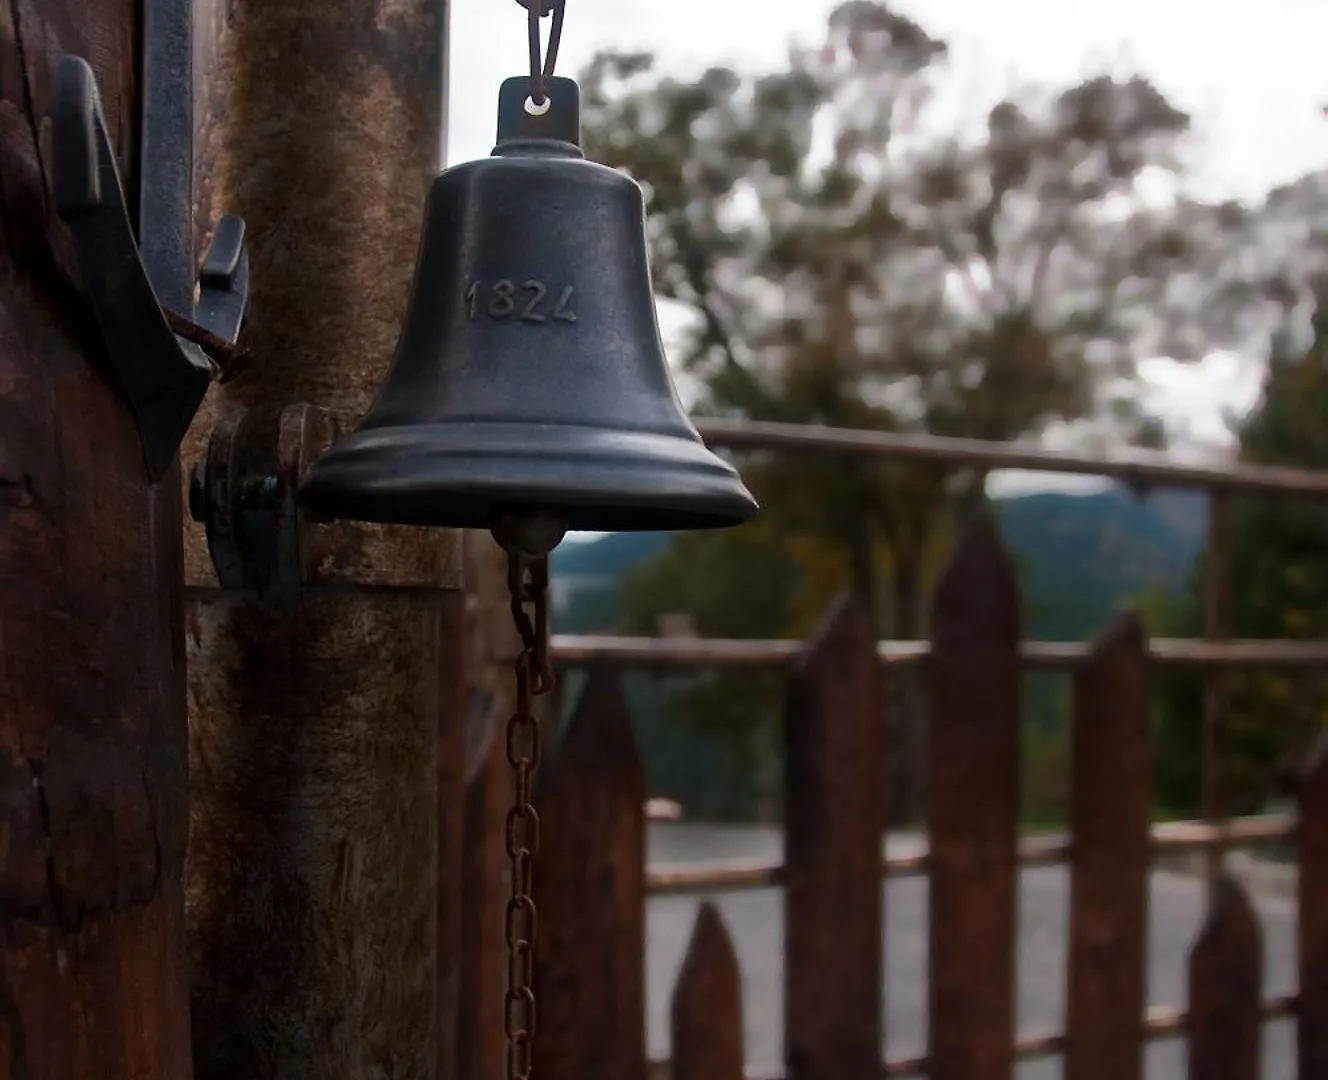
(592, 880)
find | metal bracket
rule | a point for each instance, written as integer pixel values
(163, 377)
(244, 493)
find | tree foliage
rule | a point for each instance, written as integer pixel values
(846, 256)
(1279, 589)
(845, 253)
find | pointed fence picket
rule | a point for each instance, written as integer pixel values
(973, 810)
(591, 882)
(834, 799)
(706, 1019)
(1110, 800)
(590, 894)
(1226, 981)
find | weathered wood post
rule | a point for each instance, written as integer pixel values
(973, 794)
(493, 648)
(1111, 796)
(1226, 985)
(92, 728)
(485, 889)
(835, 773)
(323, 725)
(590, 892)
(705, 1020)
(1312, 924)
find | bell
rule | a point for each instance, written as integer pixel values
(529, 380)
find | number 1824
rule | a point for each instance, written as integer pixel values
(531, 301)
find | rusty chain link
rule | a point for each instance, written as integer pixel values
(527, 584)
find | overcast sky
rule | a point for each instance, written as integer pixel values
(1252, 74)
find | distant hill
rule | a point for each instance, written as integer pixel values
(584, 577)
(1081, 557)
(607, 555)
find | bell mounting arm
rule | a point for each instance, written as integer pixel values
(159, 358)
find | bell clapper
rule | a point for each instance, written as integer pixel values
(530, 534)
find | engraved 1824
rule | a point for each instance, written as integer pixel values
(531, 300)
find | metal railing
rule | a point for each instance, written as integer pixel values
(1215, 653)
(1171, 836)
(684, 653)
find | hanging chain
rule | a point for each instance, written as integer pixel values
(540, 71)
(527, 584)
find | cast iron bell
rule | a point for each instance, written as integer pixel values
(530, 378)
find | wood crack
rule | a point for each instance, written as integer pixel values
(53, 891)
(25, 89)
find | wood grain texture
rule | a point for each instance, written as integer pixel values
(706, 1017)
(590, 891)
(834, 794)
(973, 795)
(324, 732)
(92, 735)
(321, 125)
(1111, 791)
(1226, 980)
(1312, 841)
(314, 837)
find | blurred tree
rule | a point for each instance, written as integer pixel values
(848, 256)
(1279, 589)
(731, 584)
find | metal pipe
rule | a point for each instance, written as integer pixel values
(1140, 469)
(1170, 837)
(647, 652)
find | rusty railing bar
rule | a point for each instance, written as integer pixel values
(1033, 851)
(682, 652)
(1141, 469)
(1162, 1021)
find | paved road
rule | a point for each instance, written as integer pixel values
(755, 917)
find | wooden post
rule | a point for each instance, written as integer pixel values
(1110, 799)
(590, 892)
(493, 649)
(92, 730)
(1226, 982)
(318, 723)
(706, 1018)
(480, 1054)
(1312, 842)
(451, 808)
(973, 793)
(834, 796)
(1217, 626)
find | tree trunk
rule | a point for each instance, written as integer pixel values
(325, 733)
(92, 730)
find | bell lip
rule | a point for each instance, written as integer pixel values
(463, 474)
